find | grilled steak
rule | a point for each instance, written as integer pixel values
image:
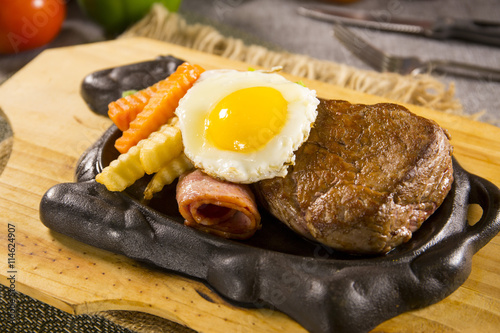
(367, 177)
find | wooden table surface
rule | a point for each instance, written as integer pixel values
(52, 127)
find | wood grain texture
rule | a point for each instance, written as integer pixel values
(53, 127)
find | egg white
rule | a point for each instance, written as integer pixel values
(244, 167)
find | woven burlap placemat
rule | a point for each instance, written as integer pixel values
(22, 314)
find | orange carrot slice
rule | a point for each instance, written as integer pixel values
(160, 107)
(125, 109)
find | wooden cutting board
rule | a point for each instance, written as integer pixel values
(53, 127)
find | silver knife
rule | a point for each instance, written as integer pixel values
(484, 32)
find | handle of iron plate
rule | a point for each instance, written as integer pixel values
(486, 195)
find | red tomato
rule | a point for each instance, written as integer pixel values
(28, 24)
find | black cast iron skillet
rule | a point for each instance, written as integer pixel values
(322, 289)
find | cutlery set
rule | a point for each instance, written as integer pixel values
(477, 31)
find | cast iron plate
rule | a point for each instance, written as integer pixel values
(323, 290)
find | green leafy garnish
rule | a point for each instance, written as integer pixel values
(128, 92)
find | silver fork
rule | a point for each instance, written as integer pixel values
(384, 62)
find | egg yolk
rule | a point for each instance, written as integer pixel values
(246, 119)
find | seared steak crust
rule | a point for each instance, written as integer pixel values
(366, 178)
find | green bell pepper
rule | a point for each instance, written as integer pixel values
(116, 15)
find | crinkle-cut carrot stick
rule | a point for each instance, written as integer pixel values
(160, 107)
(125, 109)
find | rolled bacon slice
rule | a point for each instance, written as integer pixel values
(225, 209)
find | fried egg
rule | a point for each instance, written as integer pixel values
(243, 127)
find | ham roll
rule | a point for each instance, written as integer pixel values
(225, 209)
